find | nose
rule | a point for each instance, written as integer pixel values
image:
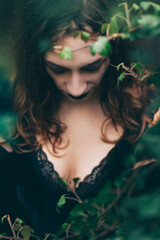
(76, 85)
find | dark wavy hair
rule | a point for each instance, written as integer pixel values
(40, 24)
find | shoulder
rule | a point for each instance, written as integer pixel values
(8, 157)
(5, 146)
(5, 152)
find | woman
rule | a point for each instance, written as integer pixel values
(72, 120)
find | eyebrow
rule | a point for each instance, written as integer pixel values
(88, 65)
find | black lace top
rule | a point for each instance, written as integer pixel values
(31, 188)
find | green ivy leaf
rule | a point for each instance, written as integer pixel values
(101, 46)
(85, 36)
(20, 221)
(75, 180)
(127, 35)
(61, 202)
(119, 65)
(146, 5)
(17, 227)
(121, 77)
(64, 180)
(139, 67)
(117, 16)
(2, 220)
(104, 28)
(2, 234)
(26, 232)
(150, 26)
(66, 53)
(118, 19)
(76, 34)
(63, 229)
(148, 19)
(135, 6)
(113, 28)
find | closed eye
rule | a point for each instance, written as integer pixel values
(90, 68)
(59, 71)
(93, 67)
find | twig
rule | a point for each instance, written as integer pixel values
(68, 230)
(19, 231)
(115, 35)
(15, 222)
(108, 28)
(11, 226)
(16, 238)
(92, 232)
(117, 198)
(97, 207)
(47, 236)
(75, 199)
(74, 192)
(121, 17)
(71, 236)
(134, 74)
(109, 230)
(102, 235)
(86, 46)
(127, 14)
(130, 10)
(133, 29)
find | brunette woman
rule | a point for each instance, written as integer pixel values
(72, 120)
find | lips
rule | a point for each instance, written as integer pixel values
(79, 97)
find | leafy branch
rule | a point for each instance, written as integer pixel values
(138, 24)
(12, 227)
(136, 70)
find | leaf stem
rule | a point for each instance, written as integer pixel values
(11, 226)
(127, 14)
(19, 231)
(86, 46)
(68, 230)
(74, 192)
(6, 237)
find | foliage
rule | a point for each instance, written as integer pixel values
(137, 21)
(102, 46)
(66, 53)
(128, 208)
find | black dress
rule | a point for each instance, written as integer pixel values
(30, 187)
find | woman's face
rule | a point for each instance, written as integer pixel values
(79, 78)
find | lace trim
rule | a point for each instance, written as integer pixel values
(51, 179)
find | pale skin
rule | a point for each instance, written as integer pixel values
(83, 116)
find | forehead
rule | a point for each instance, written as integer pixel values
(80, 51)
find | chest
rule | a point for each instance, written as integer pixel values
(82, 146)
